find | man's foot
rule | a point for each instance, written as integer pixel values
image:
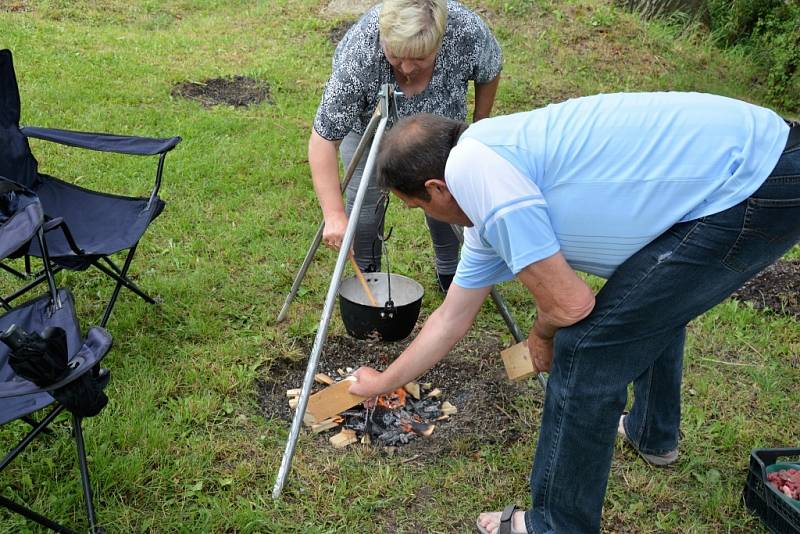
(658, 460)
(490, 522)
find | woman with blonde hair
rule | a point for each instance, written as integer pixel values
(427, 49)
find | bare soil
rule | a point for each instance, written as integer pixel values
(776, 288)
(471, 378)
(14, 6)
(239, 91)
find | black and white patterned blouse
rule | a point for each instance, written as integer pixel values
(469, 52)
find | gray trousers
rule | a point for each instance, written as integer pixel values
(366, 244)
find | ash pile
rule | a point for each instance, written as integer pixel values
(389, 420)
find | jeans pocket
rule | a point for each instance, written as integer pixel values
(771, 227)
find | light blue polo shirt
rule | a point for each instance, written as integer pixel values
(600, 177)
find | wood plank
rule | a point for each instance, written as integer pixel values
(517, 360)
(327, 424)
(332, 401)
(322, 378)
(343, 438)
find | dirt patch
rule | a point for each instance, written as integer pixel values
(14, 6)
(471, 378)
(776, 288)
(339, 30)
(239, 91)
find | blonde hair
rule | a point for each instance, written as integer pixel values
(412, 28)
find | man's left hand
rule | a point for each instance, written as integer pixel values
(541, 350)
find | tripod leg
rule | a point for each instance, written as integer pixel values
(301, 273)
(330, 300)
(505, 313)
(366, 139)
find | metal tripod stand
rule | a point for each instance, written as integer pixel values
(385, 110)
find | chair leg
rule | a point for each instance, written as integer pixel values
(121, 276)
(30, 436)
(13, 271)
(18, 508)
(34, 423)
(40, 277)
(33, 516)
(87, 489)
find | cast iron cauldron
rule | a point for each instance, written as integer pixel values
(393, 319)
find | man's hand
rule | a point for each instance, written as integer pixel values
(333, 232)
(541, 350)
(368, 383)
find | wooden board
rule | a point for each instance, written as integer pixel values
(322, 378)
(517, 360)
(331, 401)
(343, 438)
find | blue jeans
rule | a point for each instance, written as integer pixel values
(636, 334)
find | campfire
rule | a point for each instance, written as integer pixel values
(391, 420)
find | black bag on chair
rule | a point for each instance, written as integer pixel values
(42, 359)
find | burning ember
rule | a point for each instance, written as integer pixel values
(392, 419)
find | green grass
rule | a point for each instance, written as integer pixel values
(182, 446)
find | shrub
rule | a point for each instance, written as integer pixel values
(768, 31)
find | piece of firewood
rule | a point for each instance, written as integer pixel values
(293, 402)
(448, 409)
(413, 389)
(322, 378)
(343, 438)
(322, 426)
(433, 394)
(423, 429)
(332, 400)
(517, 360)
(293, 392)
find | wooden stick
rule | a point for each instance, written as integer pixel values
(364, 284)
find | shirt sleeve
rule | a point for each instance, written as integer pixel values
(479, 265)
(509, 213)
(488, 58)
(354, 65)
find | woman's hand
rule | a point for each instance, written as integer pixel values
(368, 383)
(333, 232)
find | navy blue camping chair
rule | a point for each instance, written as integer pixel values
(21, 222)
(83, 228)
(21, 219)
(21, 399)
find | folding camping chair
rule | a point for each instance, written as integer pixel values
(20, 219)
(83, 228)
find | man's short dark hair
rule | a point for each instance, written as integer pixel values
(414, 151)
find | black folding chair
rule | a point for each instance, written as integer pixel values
(21, 222)
(83, 228)
(20, 399)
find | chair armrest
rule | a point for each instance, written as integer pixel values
(121, 144)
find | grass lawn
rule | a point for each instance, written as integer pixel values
(183, 445)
